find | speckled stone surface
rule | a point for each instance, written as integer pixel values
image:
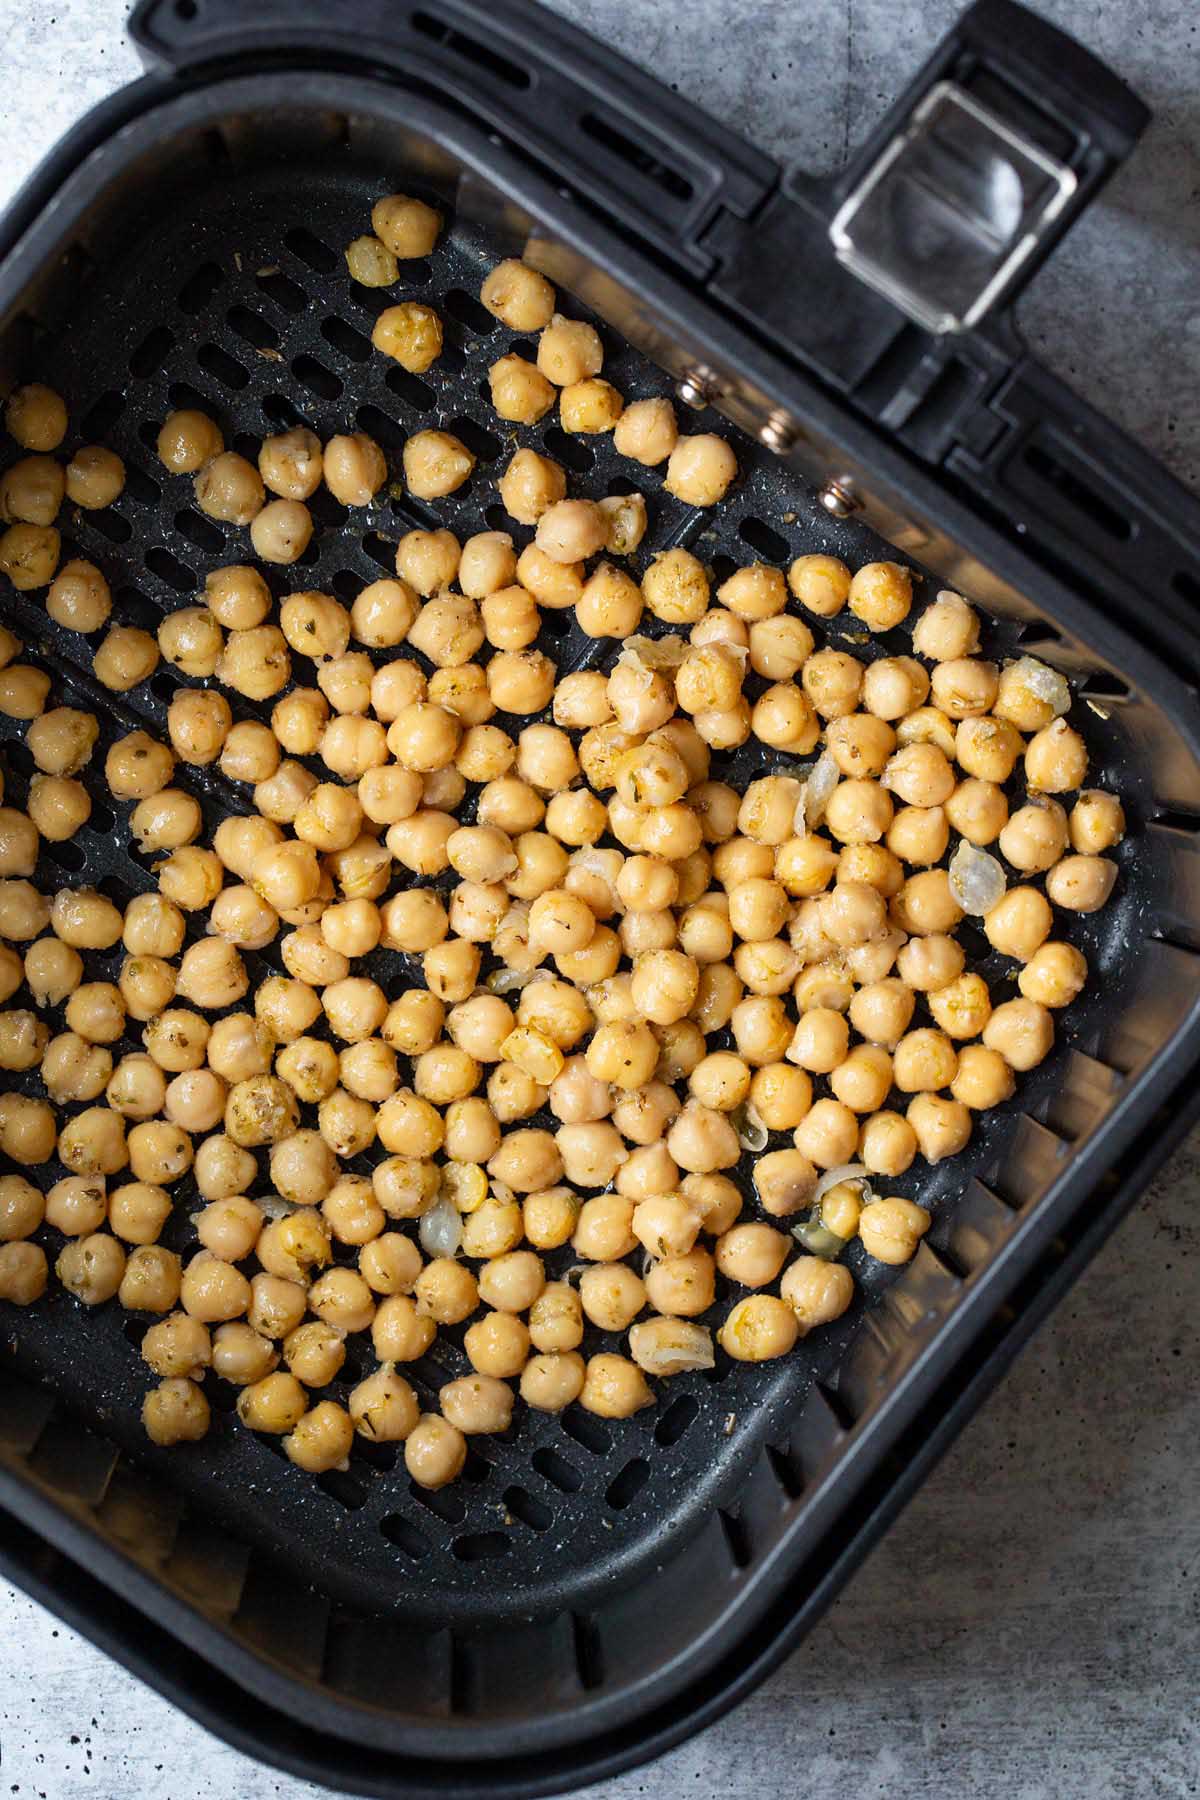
(1030, 1629)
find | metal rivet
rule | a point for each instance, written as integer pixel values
(697, 387)
(839, 498)
(778, 434)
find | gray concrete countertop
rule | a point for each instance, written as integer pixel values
(1029, 1629)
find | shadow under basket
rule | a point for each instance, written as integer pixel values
(590, 1591)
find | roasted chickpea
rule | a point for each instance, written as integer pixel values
(891, 1229)
(436, 463)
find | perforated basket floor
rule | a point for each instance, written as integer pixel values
(239, 303)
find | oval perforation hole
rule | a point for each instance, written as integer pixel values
(316, 377)
(101, 820)
(345, 338)
(676, 1419)
(557, 1470)
(482, 443)
(252, 328)
(66, 854)
(200, 287)
(278, 410)
(326, 510)
(587, 1431)
(760, 537)
(168, 568)
(567, 449)
(385, 431)
(308, 247)
(226, 369)
(480, 1546)
(133, 607)
(183, 396)
(470, 312)
(528, 1509)
(404, 1534)
(164, 685)
(222, 1395)
(625, 1486)
(284, 292)
(414, 392)
(722, 567)
(114, 889)
(111, 525)
(102, 415)
(444, 1503)
(381, 551)
(134, 1330)
(199, 531)
(499, 518)
(151, 353)
(346, 585)
(343, 1487)
(140, 486)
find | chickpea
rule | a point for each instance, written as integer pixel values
(894, 686)
(758, 1329)
(52, 970)
(700, 470)
(230, 489)
(863, 1081)
(75, 1068)
(446, 1292)
(176, 1412)
(274, 1404)
(78, 598)
(222, 1167)
(1054, 975)
(1022, 1031)
(399, 1332)
(624, 1053)
(314, 1353)
(405, 226)
(1081, 883)
(230, 1227)
(91, 1268)
(987, 748)
(550, 1382)
(137, 1211)
(125, 657)
(817, 1291)
(24, 912)
(828, 1134)
(436, 463)
(1030, 694)
(887, 1142)
(255, 663)
(942, 1127)
(23, 1273)
(1096, 823)
(891, 1229)
(178, 1346)
(36, 417)
(1018, 924)
(187, 440)
(384, 1407)
(434, 1451)
(321, 1439)
(276, 1305)
(858, 812)
(983, 1080)
(281, 531)
(151, 1280)
(260, 1110)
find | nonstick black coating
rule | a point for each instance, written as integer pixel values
(240, 303)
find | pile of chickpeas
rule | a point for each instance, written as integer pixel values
(631, 972)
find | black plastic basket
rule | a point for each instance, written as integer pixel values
(591, 1592)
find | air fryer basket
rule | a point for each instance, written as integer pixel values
(589, 1587)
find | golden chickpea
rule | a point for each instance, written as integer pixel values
(36, 417)
(150, 1282)
(384, 1407)
(255, 663)
(1054, 975)
(1081, 883)
(1018, 924)
(817, 1291)
(891, 1229)
(23, 1273)
(436, 463)
(887, 1142)
(828, 1134)
(230, 488)
(984, 1079)
(518, 296)
(411, 334)
(213, 1290)
(321, 1439)
(434, 1452)
(1022, 1031)
(942, 1127)
(399, 1332)
(274, 1404)
(987, 749)
(222, 1167)
(863, 1081)
(281, 531)
(314, 1353)
(758, 1329)
(276, 1306)
(1030, 694)
(1096, 823)
(176, 1412)
(260, 1110)
(700, 470)
(125, 657)
(178, 1346)
(187, 440)
(405, 226)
